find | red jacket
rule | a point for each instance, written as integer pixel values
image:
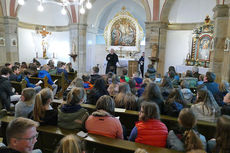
(152, 132)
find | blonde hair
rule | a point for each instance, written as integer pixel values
(75, 95)
(130, 102)
(139, 150)
(41, 100)
(29, 95)
(70, 144)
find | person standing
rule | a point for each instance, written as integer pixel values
(141, 63)
(112, 60)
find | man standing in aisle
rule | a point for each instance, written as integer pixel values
(112, 60)
(141, 63)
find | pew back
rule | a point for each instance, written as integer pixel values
(18, 86)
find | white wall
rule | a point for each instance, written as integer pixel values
(30, 43)
(178, 45)
(190, 11)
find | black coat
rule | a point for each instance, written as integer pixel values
(5, 92)
(225, 110)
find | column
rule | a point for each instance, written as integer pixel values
(78, 36)
(156, 33)
(217, 61)
(8, 31)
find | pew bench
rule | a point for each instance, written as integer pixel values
(44, 80)
(72, 75)
(49, 137)
(18, 86)
(61, 82)
(129, 117)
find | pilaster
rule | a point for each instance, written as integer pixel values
(9, 32)
(78, 36)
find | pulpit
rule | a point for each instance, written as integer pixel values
(132, 67)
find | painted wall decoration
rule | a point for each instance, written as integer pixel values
(123, 33)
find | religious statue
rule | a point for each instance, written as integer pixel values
(44, 43)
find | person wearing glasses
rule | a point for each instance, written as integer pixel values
(21, 135)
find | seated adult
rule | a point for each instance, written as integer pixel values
(98, 90)
(166, 87)
(172, 68)
(95, 75)
(149, 130)
(15, 75)
(45, 72)
(187, 93)
(195, 72)
(206, 107)
(43, 112)
(175, 103)
(106, 123)
(173, 79)
(26, 105)
(210, 84)
(70, 144)
(36, 86)
(221, 142)
(188, 138)
(151, 72)
(152, 93)
(223, 90)
(225, 110)
(71, 115)
(21, 135)
(5, 89)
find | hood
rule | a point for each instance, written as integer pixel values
(101, 113)
(70, 108)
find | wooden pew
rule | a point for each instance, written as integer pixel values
(72, 75)
(61, 82)
(44, 80)
(128, 119)
(49, 137)
(18, 86)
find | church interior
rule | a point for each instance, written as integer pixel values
(145, 35)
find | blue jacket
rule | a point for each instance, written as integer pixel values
(28, 84)
(44, 73)
(213, 87)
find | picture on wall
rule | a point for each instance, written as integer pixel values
(226, 45)
(203, 49)
(2, 41)
(13, 42)
(123, 33)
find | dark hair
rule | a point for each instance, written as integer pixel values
(223, 134)
(188, 73)
(124, 71)
(95, 69)
(16, 64)
(150, 66)
(106, 103)
(171, 74)
(176, 96)
(85, 77)
(210, 76)
(24, 65)
(152, 92)
(7, 64)
(150, 110)
(26, 72)
(172, 68)
(100, 85)
(14, 68)
(5, 71)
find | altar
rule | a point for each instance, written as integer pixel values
(183, 68)
(44, 61)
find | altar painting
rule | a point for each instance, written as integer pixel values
(204, 47)
(123, 33)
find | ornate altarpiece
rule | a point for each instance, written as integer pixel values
(202, 45)
(124, 34)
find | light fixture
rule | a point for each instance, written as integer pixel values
(82, 10)
(21, 2)
(63, 11)
(88, 5)
(40, 8)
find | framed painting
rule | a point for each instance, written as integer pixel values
(203, 48)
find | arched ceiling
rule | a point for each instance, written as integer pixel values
(51, 16)
(190, 11)
(104, 11)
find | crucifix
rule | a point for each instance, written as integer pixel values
(44, 34)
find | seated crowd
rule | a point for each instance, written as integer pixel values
(190, 98)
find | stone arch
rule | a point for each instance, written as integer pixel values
(145, 3)
(165, 10)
